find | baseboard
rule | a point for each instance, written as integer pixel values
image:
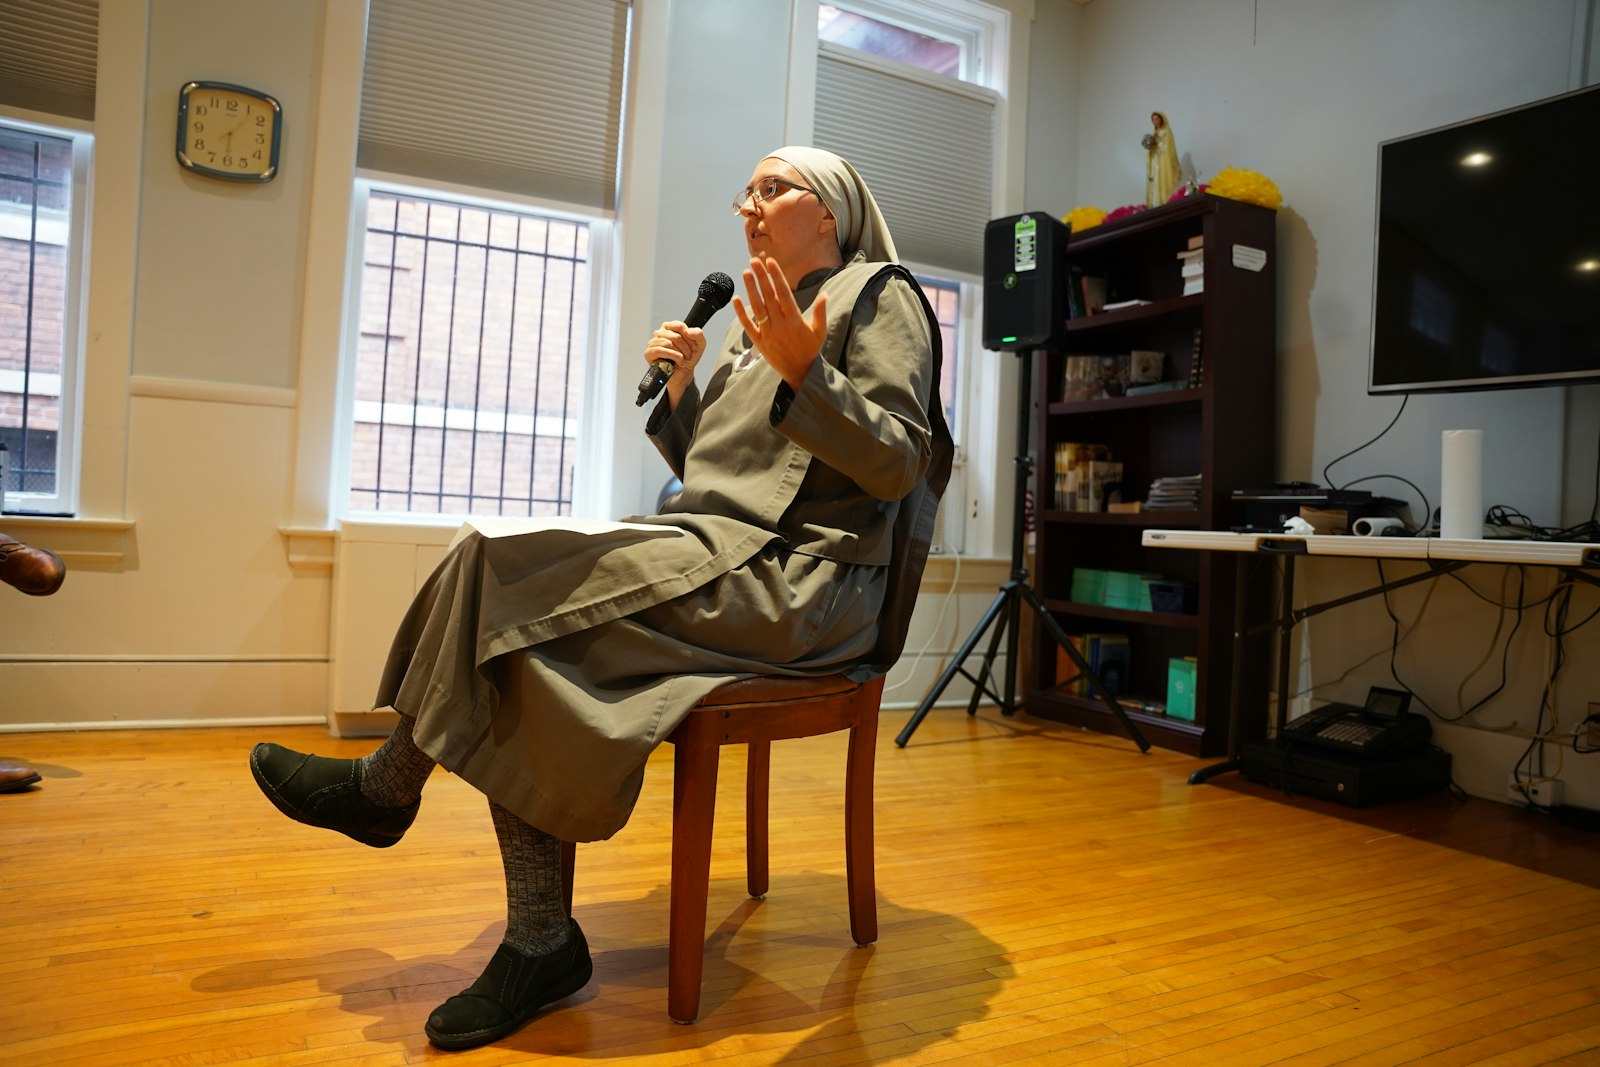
(132, 694)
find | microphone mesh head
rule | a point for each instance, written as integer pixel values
(717, 289)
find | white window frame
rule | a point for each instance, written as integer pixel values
(587, 492)
(64, 501)
(331, 306)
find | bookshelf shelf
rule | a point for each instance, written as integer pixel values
(1100, 611)
(1219, 425)
(1171, 399)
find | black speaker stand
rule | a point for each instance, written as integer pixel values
(1007, 605)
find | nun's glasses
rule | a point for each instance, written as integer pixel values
(766, 189)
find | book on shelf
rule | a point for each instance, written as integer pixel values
(1109, 656)
(1118, 305)
(1179, 493)
(1145, 366)
(1197, 371)
(1197, 241)
(1192, 271)
(1080, 378)
(1094, 293)
(1086, 293)
(1087, 377)
(1072, 461)
(1098, 480)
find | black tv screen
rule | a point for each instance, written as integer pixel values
(1488, 253)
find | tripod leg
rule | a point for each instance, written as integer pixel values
(955, 666)
(982, 685)
(1101, 691)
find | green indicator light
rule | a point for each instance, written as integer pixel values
(1008, 338)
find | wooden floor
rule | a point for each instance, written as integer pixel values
(1046, 896)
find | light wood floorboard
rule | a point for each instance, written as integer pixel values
(1046, 896)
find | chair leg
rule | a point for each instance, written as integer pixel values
(860, 875)
(569, 863)
(694, 801)
(757, 778)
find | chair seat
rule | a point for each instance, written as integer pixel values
(768, 689)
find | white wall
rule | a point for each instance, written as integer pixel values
(181, 603)
(1303, 91)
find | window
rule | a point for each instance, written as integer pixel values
(945, 297)
(41, 208)
(878, 37)
(469, 369)
(478, 279)
(913, 93)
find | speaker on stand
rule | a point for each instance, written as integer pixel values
(1024, 282)
(1024, 308)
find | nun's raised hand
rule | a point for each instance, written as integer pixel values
(787, 338)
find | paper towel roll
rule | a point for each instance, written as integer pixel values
(1461, 485)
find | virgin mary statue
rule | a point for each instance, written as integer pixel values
(1161, 174)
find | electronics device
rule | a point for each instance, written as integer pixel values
(1384, 726)
(1333, 775)
(1268, 508)
(1024, 281)
(1475, 286)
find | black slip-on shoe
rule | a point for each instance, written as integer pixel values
(509, 992)
(320, 791)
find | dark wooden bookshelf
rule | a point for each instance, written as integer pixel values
(1219, 425)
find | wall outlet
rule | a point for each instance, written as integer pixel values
(1540, 792)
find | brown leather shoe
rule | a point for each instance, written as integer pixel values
(35, 571)
(14, 777)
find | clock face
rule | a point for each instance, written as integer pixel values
(228, 131)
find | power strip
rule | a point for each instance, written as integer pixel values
(1540, 792)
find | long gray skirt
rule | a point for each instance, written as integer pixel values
(558, 730)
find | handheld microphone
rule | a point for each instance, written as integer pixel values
(715, 291)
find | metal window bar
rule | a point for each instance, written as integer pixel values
(26, 182)
(465, 281)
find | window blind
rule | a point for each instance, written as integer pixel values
(925, 145)
(521, 96)
(48, 55)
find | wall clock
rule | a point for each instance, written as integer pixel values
(228, 131)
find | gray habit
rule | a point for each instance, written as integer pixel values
(544, 668)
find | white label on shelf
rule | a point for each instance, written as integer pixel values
(1249, 258)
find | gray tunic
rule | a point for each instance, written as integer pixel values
(544, 668)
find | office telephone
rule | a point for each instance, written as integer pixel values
(1384, 726)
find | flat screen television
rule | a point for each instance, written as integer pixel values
(1488, 252)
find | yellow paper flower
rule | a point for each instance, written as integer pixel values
(1082, 218)
(1246, 185)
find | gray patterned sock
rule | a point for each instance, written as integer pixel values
(394, 774)
(536, 913)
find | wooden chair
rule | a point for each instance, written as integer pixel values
(756, 712)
